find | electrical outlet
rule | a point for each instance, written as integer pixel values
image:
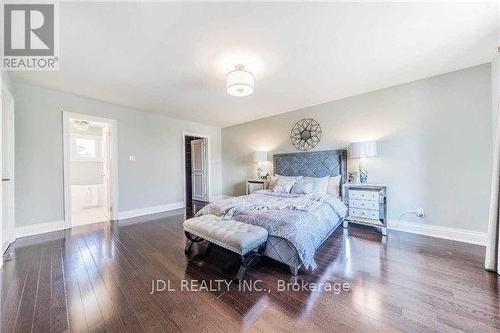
(131, 158)
(420, 212)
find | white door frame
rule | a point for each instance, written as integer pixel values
(203, 136)
(113, 126)
(10, 232)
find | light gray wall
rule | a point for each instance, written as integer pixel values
(7, 85)
(7, 81)
(495, 88)
(434, 136)
(155, 178)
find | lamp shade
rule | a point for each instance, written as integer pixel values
(363, 149)
(260, 156)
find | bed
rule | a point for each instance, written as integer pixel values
(297, 224)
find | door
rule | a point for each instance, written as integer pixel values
(106, 175)
(7, 169)
(199, 169)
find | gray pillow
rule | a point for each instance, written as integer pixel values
(302, 187)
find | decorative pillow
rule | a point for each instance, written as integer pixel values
(302, 187)
(284, 184)
(274, 180)
(334, 186)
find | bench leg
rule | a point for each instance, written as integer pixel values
(246, 261)
(241, 273)
(191, 239)
(249, 260)
(208, 249)
(187, 249)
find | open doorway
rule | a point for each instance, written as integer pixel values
(196, 168)
(89, 169)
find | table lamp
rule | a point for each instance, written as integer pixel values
(362, 150)
(260, 157)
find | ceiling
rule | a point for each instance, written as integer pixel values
(171, 58)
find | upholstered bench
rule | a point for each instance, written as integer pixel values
(244, 239)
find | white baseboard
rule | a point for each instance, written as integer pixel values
(149, 210)
(41, 228)
(461, 235)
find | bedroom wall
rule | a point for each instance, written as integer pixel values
(154, 178)
(495, 89)
(434, 138)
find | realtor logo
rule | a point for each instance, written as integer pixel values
(30, 37)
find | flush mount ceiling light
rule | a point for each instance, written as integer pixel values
(239, 82)
(81, 125)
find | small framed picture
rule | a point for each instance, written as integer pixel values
(353, 177)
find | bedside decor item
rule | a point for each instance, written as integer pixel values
(306, 134)
(362, 150)
(352, 178)
(260, 157)
(367, 204)
(240, 82)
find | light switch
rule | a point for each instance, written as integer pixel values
(131, 158)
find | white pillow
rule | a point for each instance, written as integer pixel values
(320, 184)
(284, 184)
(334, 186)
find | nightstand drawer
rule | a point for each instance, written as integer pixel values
(365, 213)
(364, 195)
(364, 204)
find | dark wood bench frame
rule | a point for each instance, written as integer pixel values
(248, 260)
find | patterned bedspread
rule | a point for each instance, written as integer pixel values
(303, 220)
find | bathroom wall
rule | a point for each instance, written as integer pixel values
(87, 172)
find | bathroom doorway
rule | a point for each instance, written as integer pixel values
(89, 169)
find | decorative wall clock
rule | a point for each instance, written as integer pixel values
(306, 134)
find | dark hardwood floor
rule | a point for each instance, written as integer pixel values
(98, 278)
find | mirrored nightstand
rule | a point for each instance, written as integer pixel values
(256, 184)
(367, 204)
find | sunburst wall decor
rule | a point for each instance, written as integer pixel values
(306, 134)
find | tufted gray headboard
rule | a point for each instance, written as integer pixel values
(312, 164)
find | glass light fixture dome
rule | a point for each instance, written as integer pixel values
(239, 82)
(81, 125)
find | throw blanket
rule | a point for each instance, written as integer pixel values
(303, 220)
(261, 201)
